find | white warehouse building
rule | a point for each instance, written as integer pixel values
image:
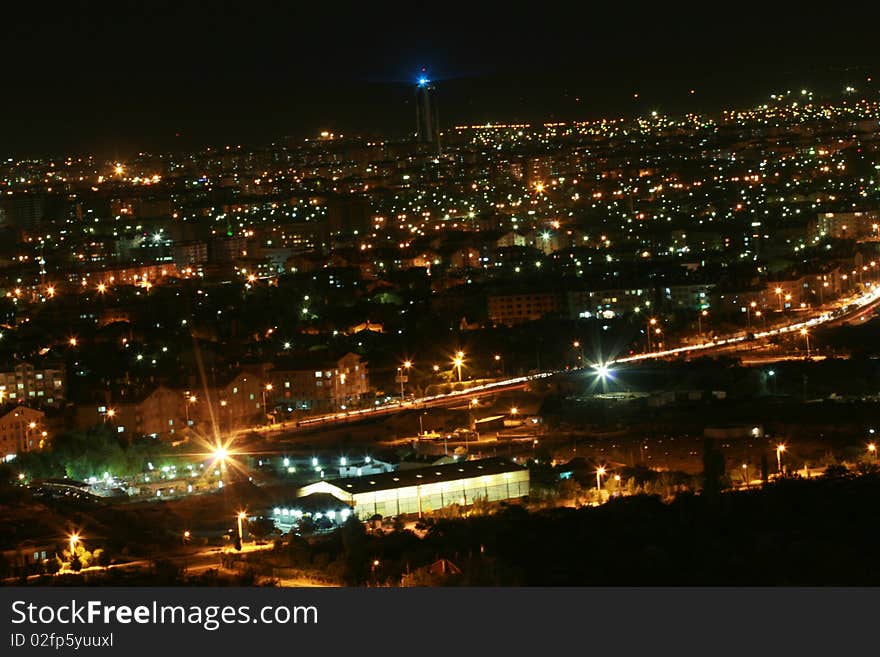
(428, 489)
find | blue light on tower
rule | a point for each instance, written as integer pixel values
(423, 81)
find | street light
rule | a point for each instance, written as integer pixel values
(700, 315)
(600, 472)
(74, 539)
(872, 450)
(745, 467)
(267, 388)
(190, 399)
(402, 375)
(779, 297)
(779, 449)
(749, 309)
(242, 516)
(806, 334)
(651, 323)
(221, 455)
(458, 361)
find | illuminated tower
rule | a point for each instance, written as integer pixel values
(427, 123)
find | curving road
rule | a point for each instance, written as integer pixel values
(842, 311)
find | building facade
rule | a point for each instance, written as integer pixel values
(320, 384)
(25, 382)
(22, 429)
(510, 309)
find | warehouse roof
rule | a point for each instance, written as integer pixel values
(426, 475)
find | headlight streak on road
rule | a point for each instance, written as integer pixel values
(856, 304)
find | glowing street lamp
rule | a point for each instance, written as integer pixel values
(577, 345)
(403, 375)
(778, 291)
(266, 388)
(190, 399)
(651, 324)
(779, 449)
(872, 450)
(242, 516)
(603, 371)
(457, 362)
(806, 334)
(74, 539)
(600, 472)
(700, 316)
(745, 467)
(221, 454)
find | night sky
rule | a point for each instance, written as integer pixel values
(114, 78)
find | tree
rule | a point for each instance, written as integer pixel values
(260, 528)
(354, 548)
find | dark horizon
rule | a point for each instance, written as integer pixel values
(113, 80)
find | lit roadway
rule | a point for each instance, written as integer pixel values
(846, 310)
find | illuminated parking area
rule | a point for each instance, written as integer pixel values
(321, 510)
(427, 489)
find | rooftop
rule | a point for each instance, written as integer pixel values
(426, 475)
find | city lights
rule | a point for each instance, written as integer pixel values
(375, 315)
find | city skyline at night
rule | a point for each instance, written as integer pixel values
(118, 79)
(463, 297)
